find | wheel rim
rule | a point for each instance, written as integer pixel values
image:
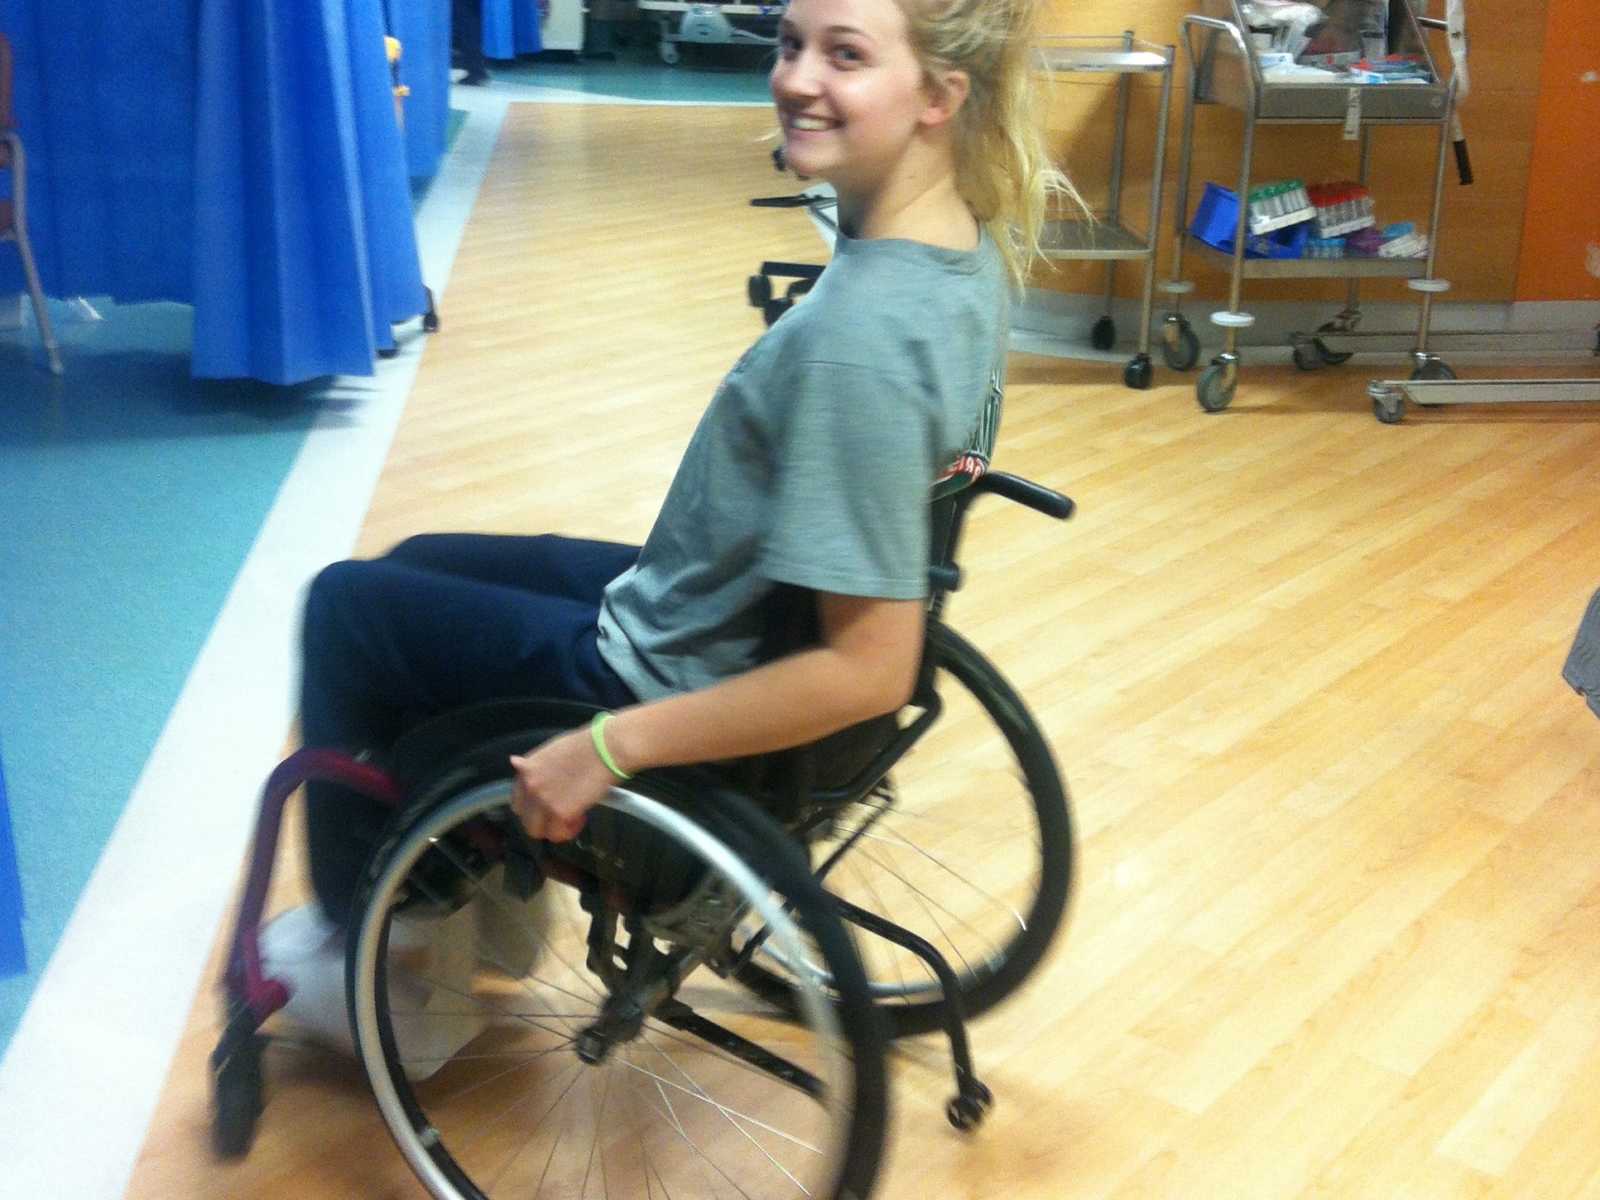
(970, 800)
(517, 1112)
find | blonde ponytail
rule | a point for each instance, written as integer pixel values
(1003, 166)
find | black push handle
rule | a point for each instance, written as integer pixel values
(1026, 492)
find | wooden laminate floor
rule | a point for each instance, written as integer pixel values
(1337, 929)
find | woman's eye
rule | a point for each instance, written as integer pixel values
(847, 54)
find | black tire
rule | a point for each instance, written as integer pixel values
(1104, 334)
(1307, 358)
(1212, 390)
(456, 817)
(1332, 358)
(758, 289)
(1391, 410)
(1184, 355)
(1138, 374)
(977, 701)
(1434, 368)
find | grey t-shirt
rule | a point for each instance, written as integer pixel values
(813, 463)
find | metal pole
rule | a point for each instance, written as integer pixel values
(1157, 186)
(1438, 208)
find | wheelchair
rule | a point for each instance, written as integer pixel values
(724, 952)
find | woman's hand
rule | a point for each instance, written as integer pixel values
(557, 784)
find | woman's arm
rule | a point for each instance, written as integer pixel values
(865, 665)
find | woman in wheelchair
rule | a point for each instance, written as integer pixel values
(512, 893)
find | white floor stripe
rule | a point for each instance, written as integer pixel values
(81, 1077)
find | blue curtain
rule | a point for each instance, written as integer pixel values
(423, 27)
(510, 28)
(104, 98)
(238, 155)
(12, 959)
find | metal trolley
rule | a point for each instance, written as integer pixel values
(1105, 237)
(1224, 69)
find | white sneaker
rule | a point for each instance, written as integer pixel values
(432, 960)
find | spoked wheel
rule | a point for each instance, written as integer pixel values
(967, 843)
(608, 1062)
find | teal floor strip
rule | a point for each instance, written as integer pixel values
(132, 494)
(706, 74)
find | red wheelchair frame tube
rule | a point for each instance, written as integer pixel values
(245, 980)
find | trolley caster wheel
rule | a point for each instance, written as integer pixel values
(1104, 334)
(1213, 390)
(1138, 373)
(1388, 409)
(390, 352)
(430, 322)
(1433, 369)
(1307, 358)
(1180, 349)
(773, 309)
(758, 288)
(236, 1097)
(1333, 358)
(669, 54)
(966, 1112)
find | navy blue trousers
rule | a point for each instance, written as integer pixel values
(441, 621)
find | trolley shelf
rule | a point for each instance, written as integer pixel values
(1105, 237)
(1318, 268)
(1099, 54)
(1228, 73)
(1103, 240)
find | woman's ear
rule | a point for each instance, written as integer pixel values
(947, 92)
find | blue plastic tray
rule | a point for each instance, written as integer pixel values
(1217, 215)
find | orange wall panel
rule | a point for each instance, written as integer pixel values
(1560, 258)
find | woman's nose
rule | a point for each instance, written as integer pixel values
(794, 76)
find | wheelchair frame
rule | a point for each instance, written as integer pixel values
(251, 996)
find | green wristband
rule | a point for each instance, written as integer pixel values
(597, 734)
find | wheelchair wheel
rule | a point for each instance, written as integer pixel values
(611, 1061)
(968, 843)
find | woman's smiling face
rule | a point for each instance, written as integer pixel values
(849, 90)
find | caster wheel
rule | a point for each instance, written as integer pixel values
(773, 309)
(1306, 357)
(1138, 373)
(1104, 334)
(389, 353)
(965, 1112)
(669, 54)
(1333, 358)
(1388, 409)
(1433, 369)
(758, 288)
(430, 322)
(1213, 393)
(1181, 351)
(236, 1098)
